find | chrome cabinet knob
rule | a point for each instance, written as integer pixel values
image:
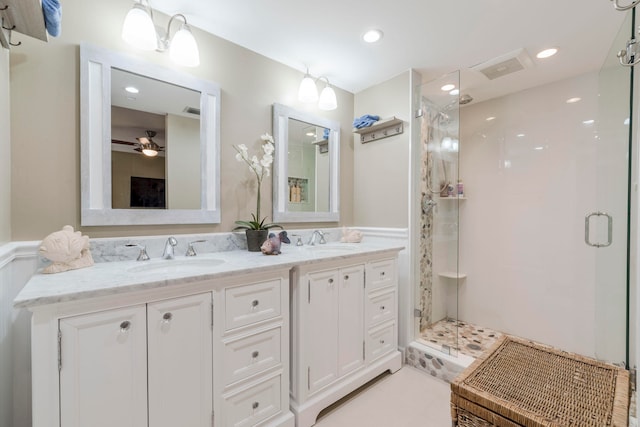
(255, 303)
(166, 318)
(125, 326)
(346, 277)
(255, 354)
(255, 405)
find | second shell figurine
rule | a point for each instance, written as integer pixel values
(271, 246)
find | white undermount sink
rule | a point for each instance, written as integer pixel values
(333, 248)
(176, 265)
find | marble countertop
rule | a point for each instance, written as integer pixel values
(109, 278)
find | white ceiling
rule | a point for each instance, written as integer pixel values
(433, 37)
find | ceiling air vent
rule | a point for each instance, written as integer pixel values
(505, 64)
(191, 110)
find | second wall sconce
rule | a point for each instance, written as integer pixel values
(308, 93)
(140, 31)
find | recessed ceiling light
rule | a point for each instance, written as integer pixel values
(520, 135)
(490, 118)
(372, 36)
(310, 134)
(454, 92)
(448, 87)
(588, 122)
(539, 148)
(546, 53)
(573, 100)
(131, 89)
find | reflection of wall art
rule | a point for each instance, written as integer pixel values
(148, 193)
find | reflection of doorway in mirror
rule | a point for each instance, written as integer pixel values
(127, 160)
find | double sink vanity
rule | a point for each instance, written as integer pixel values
(227, 338)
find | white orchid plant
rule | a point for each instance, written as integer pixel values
(260, 167)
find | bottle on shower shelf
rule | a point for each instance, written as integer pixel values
(460, 188)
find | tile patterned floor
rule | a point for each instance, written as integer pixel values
(472, 340)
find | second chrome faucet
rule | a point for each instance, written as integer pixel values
(168, 248)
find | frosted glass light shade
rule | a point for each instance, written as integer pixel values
(138, 29)
(327, 100)
(183, 49)
(307, 92)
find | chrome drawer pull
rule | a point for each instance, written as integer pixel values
(255, 405)
(381, 341)
(382, 307)
(255, 354)
(255, 303)
(125, 326)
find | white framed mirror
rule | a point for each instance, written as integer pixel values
(306, 167)
(150, 151)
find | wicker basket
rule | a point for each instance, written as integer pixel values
(521, 383)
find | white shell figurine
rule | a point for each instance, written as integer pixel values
(351, 236)
(67, 249)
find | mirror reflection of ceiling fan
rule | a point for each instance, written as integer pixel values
(145, 144)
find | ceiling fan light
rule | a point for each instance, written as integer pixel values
(150, 152)
(138, 29)
(183, 49)
(307, 92)
(328, 99)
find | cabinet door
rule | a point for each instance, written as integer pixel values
(322, 321)
(180, 362)
(351, 319)
(103, 378)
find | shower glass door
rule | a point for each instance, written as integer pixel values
(437, 287)
(607, 225)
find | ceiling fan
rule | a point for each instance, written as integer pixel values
(145, 144)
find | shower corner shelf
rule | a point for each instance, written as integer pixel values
(381, 129)
(452, 275)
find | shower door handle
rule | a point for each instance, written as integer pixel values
(587, 221)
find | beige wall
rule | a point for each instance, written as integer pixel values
(381, 190)
(45, 114)
(183, 162)
(5, 150)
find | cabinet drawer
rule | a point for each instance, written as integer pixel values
(380, 341)
(381, 306)
(253, 405)
(381, 273)
(251, 303)
(247, 356)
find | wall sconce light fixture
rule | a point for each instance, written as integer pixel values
(308, 93)
(140, 31)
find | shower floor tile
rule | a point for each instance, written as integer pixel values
(472, 340)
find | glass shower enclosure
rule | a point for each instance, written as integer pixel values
(526, 206)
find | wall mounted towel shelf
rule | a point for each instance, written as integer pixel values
(323, 145)
(452, 275)
(381, 129)
(23, 16)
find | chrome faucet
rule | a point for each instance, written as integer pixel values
(312, 240)
(168, 248)
(142, 256)
(190, 250)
